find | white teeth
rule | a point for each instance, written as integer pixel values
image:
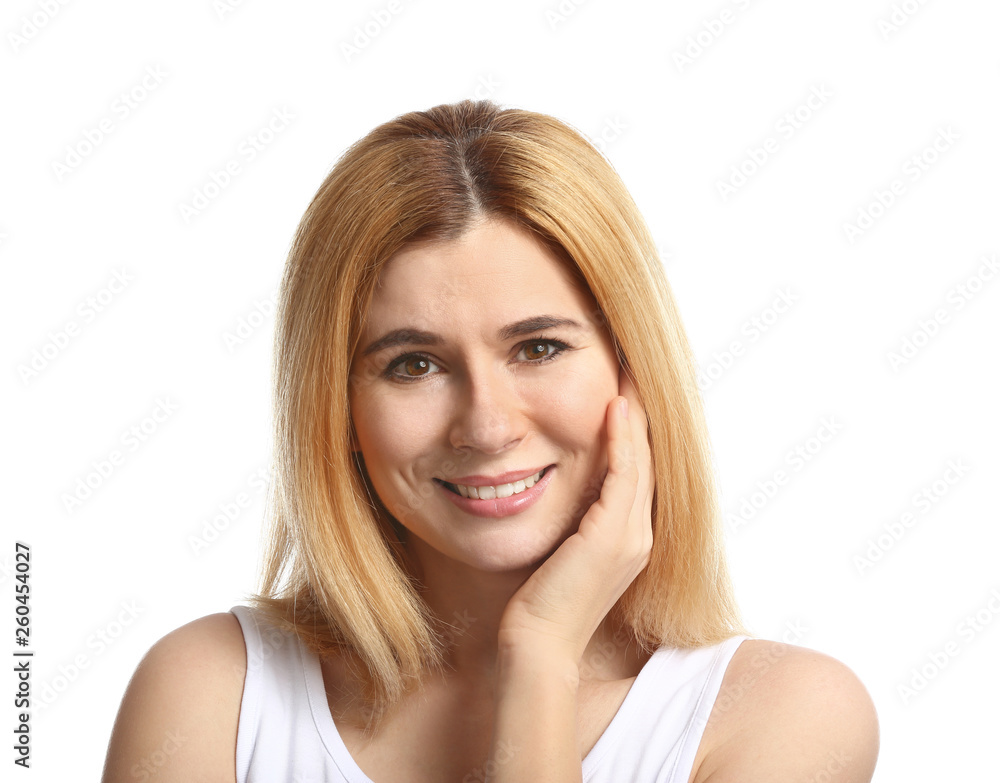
(501, 491)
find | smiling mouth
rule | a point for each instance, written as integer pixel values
(494, 492)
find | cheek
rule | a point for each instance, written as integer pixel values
(394, 435)
(385, 448)
(578, 409)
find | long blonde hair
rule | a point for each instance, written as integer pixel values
(334, 567)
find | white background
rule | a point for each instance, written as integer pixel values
(118, 570)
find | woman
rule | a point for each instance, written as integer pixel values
(495, 552)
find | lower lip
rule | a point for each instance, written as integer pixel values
(501, 507)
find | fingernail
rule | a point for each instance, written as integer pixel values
(623, 405)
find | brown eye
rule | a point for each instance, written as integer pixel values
(542, 350)
(416, 366)
(410, 367)
(535, 351)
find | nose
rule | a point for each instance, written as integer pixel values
(489, 414)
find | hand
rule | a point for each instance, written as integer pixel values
(559, 608)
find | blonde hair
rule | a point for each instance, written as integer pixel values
(334, 566)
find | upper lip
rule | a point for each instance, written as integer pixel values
(494, 481)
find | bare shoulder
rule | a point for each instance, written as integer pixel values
(180, 712)
(786, 712)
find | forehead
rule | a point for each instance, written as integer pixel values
(495, 272)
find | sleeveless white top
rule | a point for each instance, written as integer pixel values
(287, 735)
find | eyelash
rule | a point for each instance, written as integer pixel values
(389, 375)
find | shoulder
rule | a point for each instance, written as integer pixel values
(785, 712)
(180, 712)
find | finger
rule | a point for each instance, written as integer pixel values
(612, 509)
(639, 425)
(621, 453)
(637, 413)
(641, 516)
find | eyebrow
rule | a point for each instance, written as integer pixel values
(404, 336)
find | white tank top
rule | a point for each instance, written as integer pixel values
(287, 735)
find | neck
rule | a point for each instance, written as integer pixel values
(470, 604)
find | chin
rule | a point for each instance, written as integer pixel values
(508, 562)
(506, 552)
(514, 553)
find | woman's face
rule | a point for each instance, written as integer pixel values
(481, 357)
